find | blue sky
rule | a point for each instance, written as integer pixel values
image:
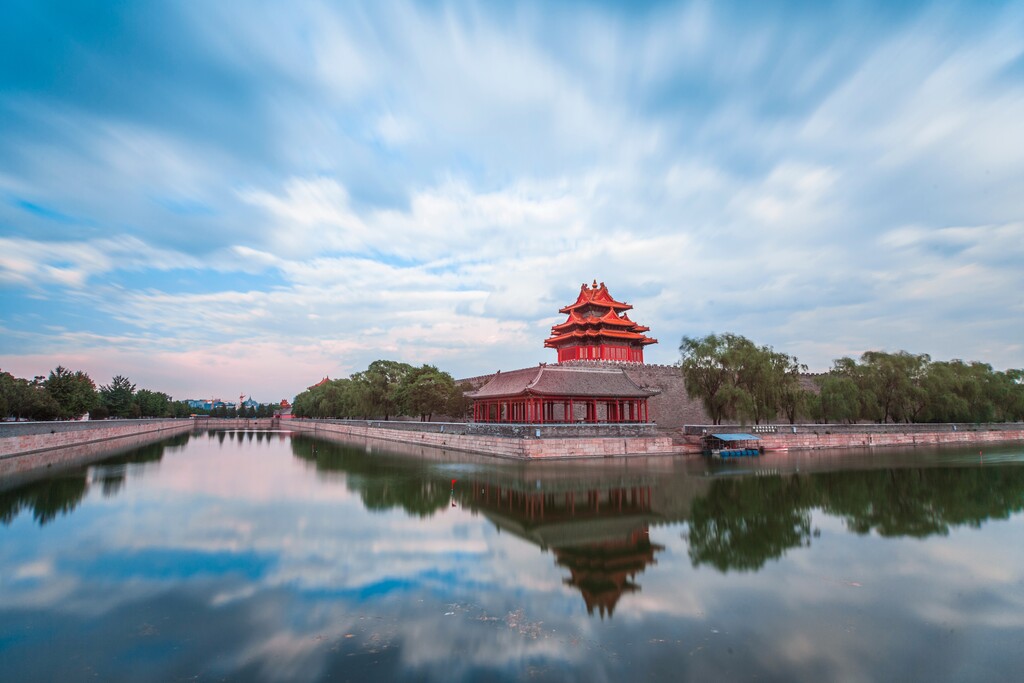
(245, 197)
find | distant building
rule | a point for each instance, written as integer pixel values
(284, 410)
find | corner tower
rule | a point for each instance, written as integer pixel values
(598, 328)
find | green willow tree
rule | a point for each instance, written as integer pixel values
(735, 378)
(707, 373)
(839, 399)
(906, 387)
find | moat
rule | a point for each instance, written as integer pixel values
(268, 556)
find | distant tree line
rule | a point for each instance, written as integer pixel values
(738, 380)
(261, 410)
(385, 389)
(66, 394)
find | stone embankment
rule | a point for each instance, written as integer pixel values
(29, 445)
(231, 423)
(27, 437)
(818, 436)
(531, 442)
(26, 446)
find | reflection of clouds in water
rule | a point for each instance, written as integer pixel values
(255, 473)
(854, 604)
(308, 580)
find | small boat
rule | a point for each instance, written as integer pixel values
(731, 445)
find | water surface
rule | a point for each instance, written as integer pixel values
(253, 556)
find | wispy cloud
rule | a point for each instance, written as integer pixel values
(433, 182)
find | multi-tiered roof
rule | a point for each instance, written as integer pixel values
(598, 328)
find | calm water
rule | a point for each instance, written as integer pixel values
(266, 557)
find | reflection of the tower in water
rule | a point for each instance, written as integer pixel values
(600, 534)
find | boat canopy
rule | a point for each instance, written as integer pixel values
(736, 437)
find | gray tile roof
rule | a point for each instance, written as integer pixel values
(548, 380)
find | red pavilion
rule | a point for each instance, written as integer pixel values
(583, 389)
(598, 328)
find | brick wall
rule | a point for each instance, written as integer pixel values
(814, 437)
(29, 446)
(26, 437)
(221, 423)
(822, 439)
(510, 429)
(503, 446)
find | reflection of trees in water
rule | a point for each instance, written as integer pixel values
(923, 502)
(46, 499)
(735, 523)
(62, 493)
(744, 522)
(111, 473)
(382, 481)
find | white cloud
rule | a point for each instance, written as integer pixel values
(71, 264)
(437, 183)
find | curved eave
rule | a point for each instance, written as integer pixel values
(617, 305)
(594, 323)
(579, 335)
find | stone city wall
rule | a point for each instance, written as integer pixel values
(26, 437)
(813, 437)
(222, 423)
(508, 429)
(503, 446)
(22, 467)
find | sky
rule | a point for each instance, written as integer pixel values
(245, 197)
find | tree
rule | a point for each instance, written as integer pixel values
(458, 404)
(896, 380)
(1007, 390)
(839, 399)
(118, 396)
(74, 392)
(424, 391)
(9, 394)
(734, 377)
(378, 386)
(152, 403)
(180, 409)
(707, 374)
